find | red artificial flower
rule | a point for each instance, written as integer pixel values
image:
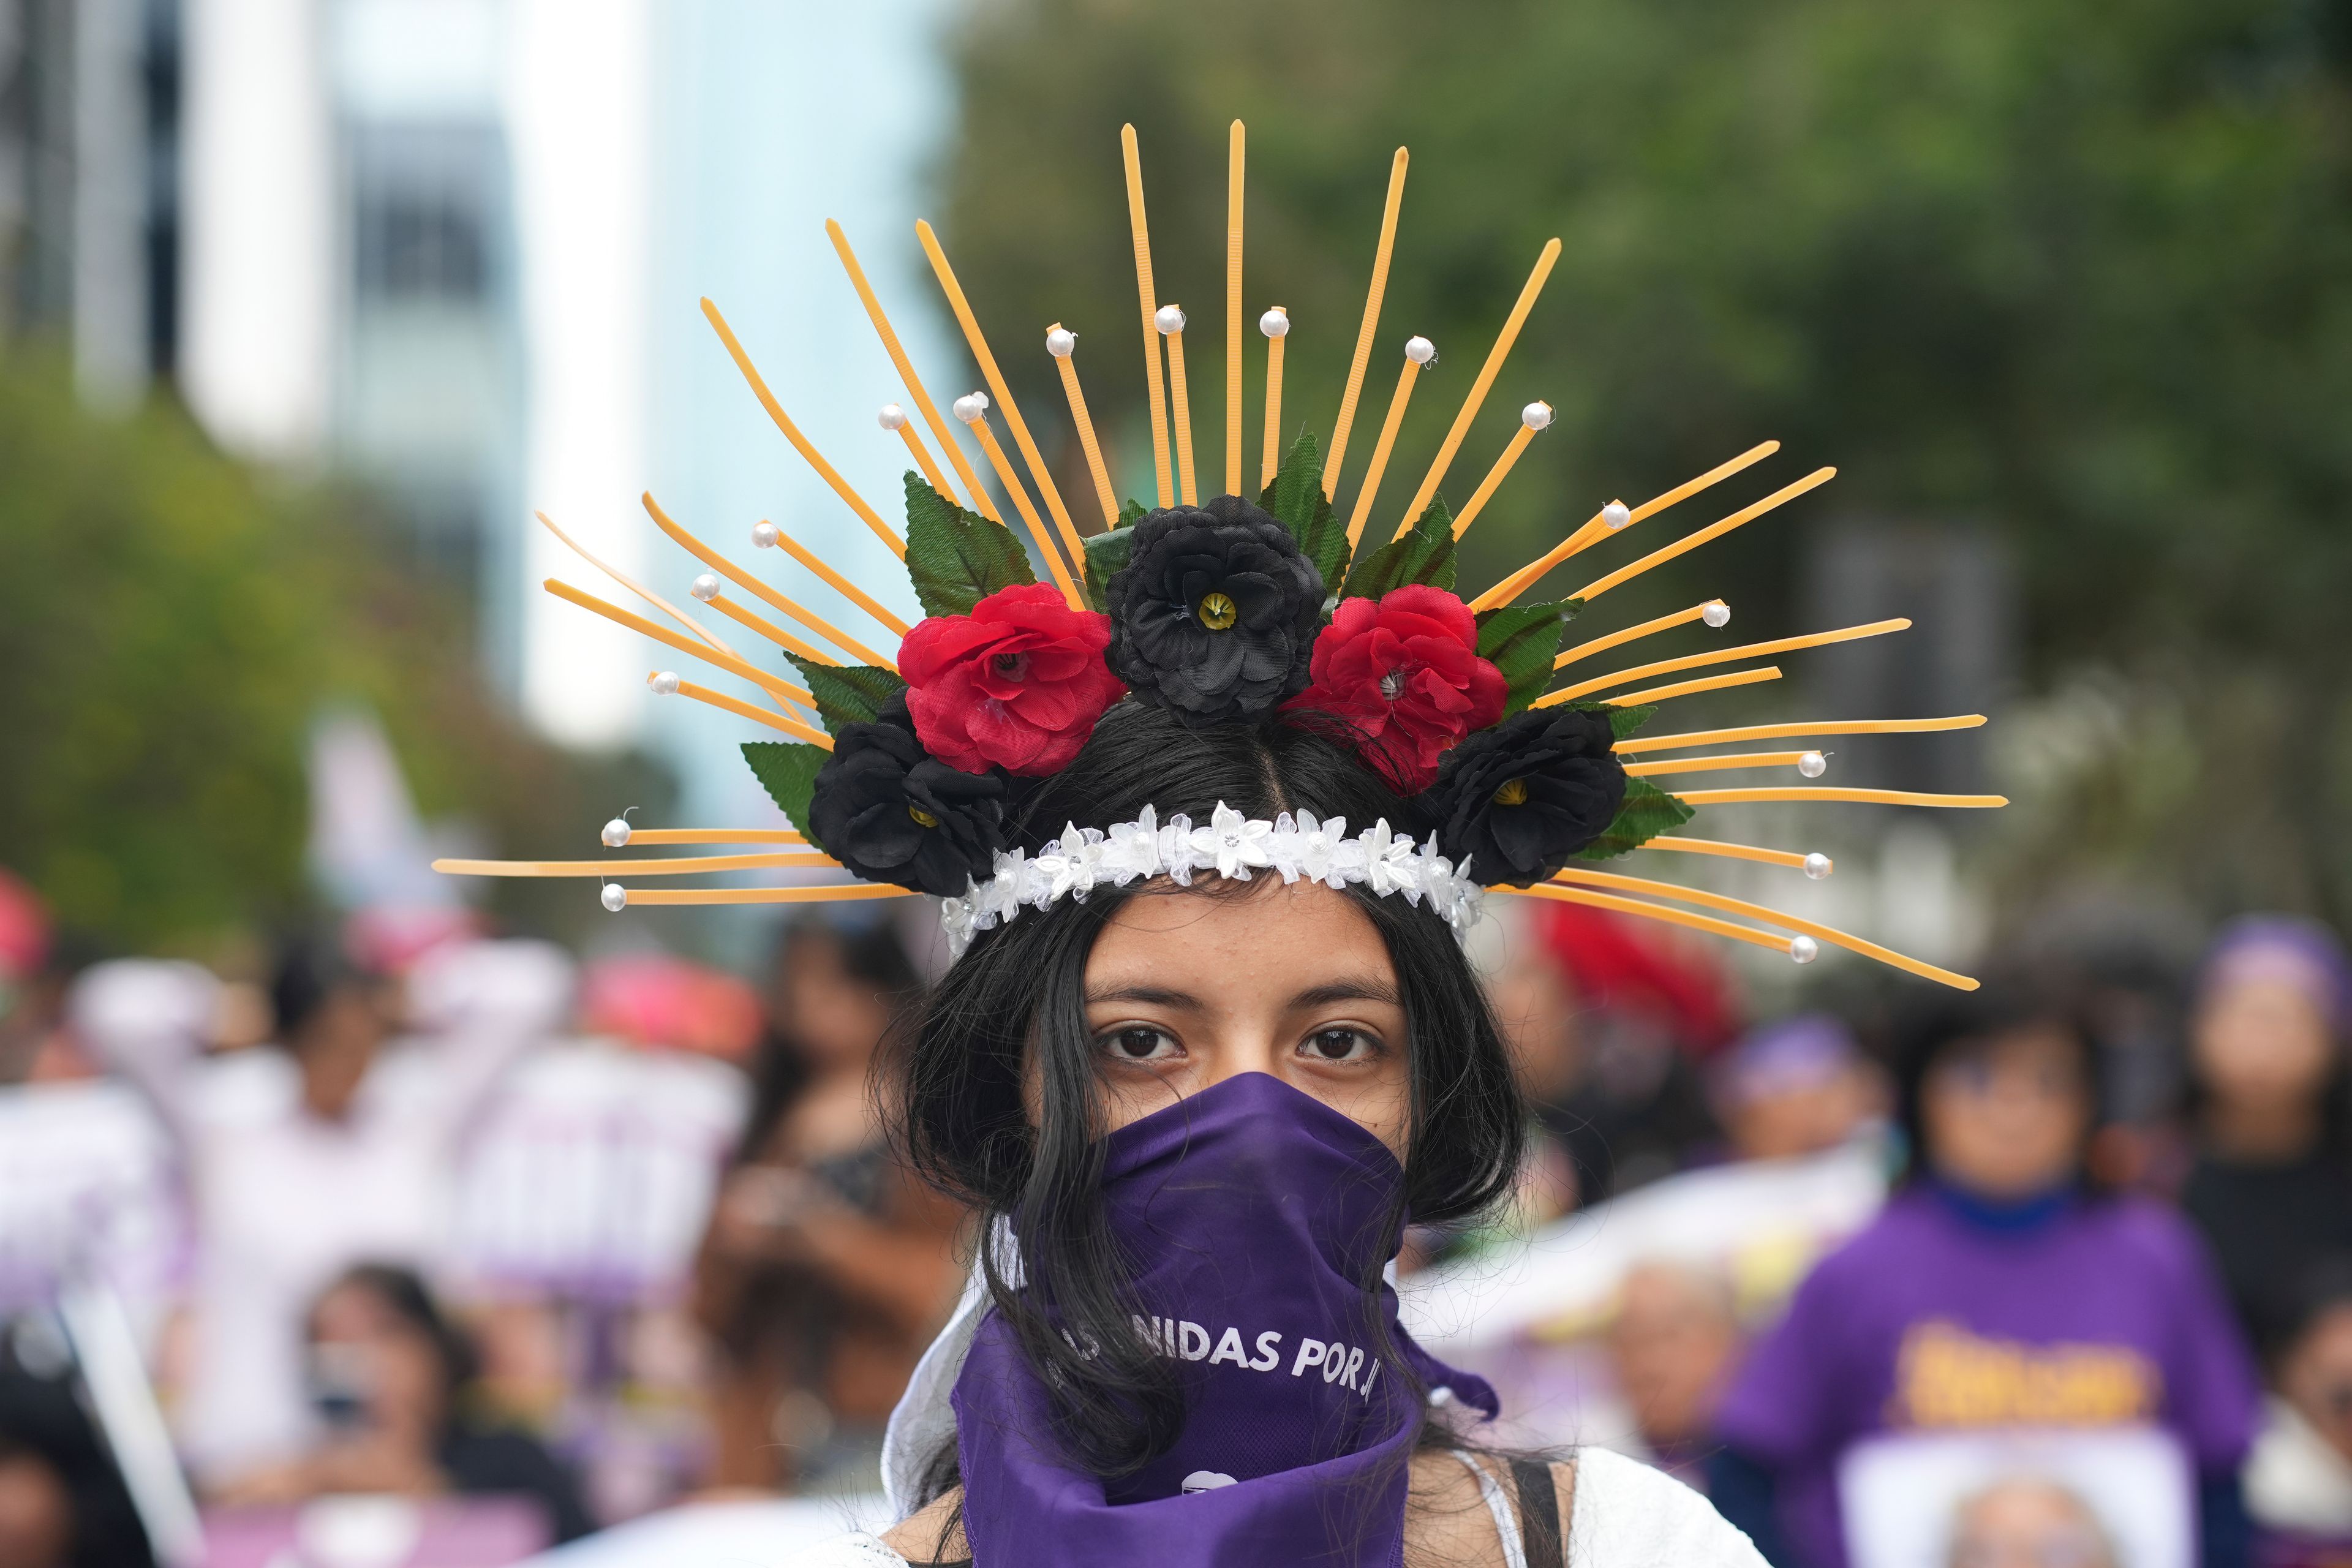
(1016, 684)
(1403, 673)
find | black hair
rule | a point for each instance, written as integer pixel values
(1955, 1026)
(958, 1105)
(874, 957)
(43, 1423)
(2321, 1285)
(412, 1301)
(310, 970)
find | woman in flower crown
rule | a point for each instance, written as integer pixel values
(1206, 817)
(1197, 1095)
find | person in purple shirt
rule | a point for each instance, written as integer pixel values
(1998, 1289)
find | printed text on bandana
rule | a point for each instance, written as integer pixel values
(1349, 1366)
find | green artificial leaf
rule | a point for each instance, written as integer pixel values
(1425, 554)
(788, 770)
(957, 558)
(1133, 512)
(847, 693)
(1107, 555)
(1647, 811)
(1521, 640)
(1297, 501)
(1326, 545)
(1624, 721)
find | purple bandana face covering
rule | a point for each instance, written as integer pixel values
(1253, 1212)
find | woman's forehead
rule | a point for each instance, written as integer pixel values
(1219, 935)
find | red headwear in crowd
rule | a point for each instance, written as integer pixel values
(1615, 965)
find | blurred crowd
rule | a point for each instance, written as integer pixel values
(1939, 1279)
(2053, 1274)
(407, 1212)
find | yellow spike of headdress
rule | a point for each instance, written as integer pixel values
(974, 580)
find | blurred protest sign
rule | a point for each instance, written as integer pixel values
(592, 1174)
(87, 1186)
(1764, 1221)
(2111, 1499)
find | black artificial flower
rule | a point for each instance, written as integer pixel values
(1519, 800)
(1214, 614)
(892, 813)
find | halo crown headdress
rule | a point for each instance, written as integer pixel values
(901, 772)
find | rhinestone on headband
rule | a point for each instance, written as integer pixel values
(1292, 846)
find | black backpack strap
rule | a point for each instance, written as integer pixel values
(1538, 1514)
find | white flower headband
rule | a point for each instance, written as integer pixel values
(1293, 844)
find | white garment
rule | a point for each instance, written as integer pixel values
(1626, 1514)
(284, 1201)
(923, 1421)
(858, 1550)
(1622, 1514)
(2295, 1478)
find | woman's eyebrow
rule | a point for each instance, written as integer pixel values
(1347, 990)
(1149, 995)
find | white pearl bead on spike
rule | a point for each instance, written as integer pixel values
(1169, 319)
(664, 682)
(614, 897)
(765, 535)
(1275, 324)
(1616, 515)
(1061, 342)
(705, 588)
(1717, 614)
(1420, 351)
(971, 407)
(616, 833)
(1818, 866)
(890, 416)
(1803, 950)
(1812, 764)
(1535, 416)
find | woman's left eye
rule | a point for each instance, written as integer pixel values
(1340, 1045)
(1137, 1043)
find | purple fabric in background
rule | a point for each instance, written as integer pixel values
(1251, 1212)
(1797, 1053)
(2106, 1313)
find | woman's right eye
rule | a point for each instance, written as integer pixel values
(1138, 1043)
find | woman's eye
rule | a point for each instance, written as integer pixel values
(1338, 1045)
(1138, 1043)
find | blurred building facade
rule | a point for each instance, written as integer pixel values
(349, 272)
(453, 248)
(344, 290)
(428, 379)
(89, 186)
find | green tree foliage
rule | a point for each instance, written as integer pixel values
(2081, 273)
(169, 628)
